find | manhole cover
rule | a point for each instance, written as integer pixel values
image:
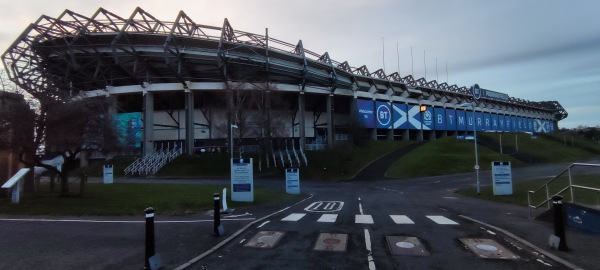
(331, 242)
(265, 239)
(488, 248)
(406, 245)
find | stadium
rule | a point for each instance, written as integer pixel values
(191, 85)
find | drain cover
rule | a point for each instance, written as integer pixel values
(331, 242)
(265, 239)
(405, 245)
(487, 248)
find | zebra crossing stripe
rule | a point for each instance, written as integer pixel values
(442, 220)
(402, 219)
(364, 219)
(293, 217)
(328, 218)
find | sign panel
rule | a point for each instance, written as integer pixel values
(479, 121)
(450, 119)
(487, 121)
(292, 181)
(502, 178)
(440, 118)
(495, 125)
(414, 117)
(383, 115)
(462, 122)
(478, 93)
(366, 114)
(242, 180)
(428, 118)
(129, 129)
(400, 116)
(108, 174)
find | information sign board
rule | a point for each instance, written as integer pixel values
(242, 180)
(502, 178)
(292, 181)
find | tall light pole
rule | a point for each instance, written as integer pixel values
(472, 105)
(231, 144)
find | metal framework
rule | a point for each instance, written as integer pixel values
(76, 53)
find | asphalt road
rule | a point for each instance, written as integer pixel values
(118, 243)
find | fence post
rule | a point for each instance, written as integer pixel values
(150, 250)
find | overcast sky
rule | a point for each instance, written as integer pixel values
(536, 50)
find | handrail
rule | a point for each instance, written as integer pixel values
(569, 187)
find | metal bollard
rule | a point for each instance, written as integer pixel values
(218, 229)
(149, 236)
(559, 223)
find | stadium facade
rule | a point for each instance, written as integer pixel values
(183, 81)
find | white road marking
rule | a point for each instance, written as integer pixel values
(402, 219)
(360, 209)
(120, 221)
(442, 220)
(293, 217)
(243, 240)
(368, 245)
(450, 198)
(325, 206)
(331, 218)
(263, 224)
(363, 219)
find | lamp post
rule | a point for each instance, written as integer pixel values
(231, 144)
(472, 105)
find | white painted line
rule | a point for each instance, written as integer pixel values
(325, 206)
(363, 219)
(263, 224)
(243, 240)
(368, 245)
(442, 220)
(450, 198)
(328, 218)
(360, 209)
(293, 217)
(402, 219)
(119, 221)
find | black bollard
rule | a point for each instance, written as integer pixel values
(559, 224)
(218, 229)
(149, 236)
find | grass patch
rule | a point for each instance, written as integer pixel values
(546, 147)
(344, 161)
(446, 155)
(521, 188)
(132, 199)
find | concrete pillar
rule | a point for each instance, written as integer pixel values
(390, 134)
(302, 120)
(330, 124)
(148, 123)
(189, 123)
(405, 135)
(373, 134)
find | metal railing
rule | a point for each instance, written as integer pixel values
(570, 187)
(150, 164)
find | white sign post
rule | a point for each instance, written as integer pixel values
(292, 181)
(242, 180)
(108, 174)
(15, 183)
(502, 178)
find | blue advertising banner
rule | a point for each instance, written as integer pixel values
(440, 118)
(400, 116)
(487, 121)
(495, 125)
(470, 120)
(501, 121)
(366, 114)
(530, 125)
(428, 119)
(508, 122)
(450, 119)
(479, 121)
(461, 120)
(383, 115)
(515, 127)
(520, 126)
(414, 117)
(536, 125)
(129, 129)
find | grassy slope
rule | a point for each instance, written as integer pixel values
(444, 156)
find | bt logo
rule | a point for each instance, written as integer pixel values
(384, 115)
